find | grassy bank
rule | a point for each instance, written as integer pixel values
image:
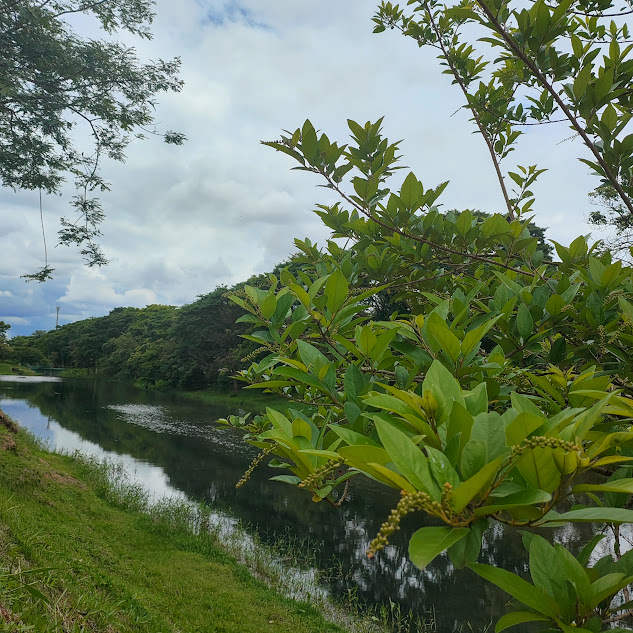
(13, 369)
(76, 554)
(249, 399)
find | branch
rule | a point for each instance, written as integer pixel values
(509, 40)
(416, 238)
(475, 114)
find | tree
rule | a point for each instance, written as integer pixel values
(504, 393)
(564, 62)
(52, 81)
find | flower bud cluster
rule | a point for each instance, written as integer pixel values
(252, 355)
(314, 479)
(410, 502)
(447, 494)
(540, 441)
(247, 475)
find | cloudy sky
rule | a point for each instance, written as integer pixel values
(182, 220)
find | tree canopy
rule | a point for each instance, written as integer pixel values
(54, 81)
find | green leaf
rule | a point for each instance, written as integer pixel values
(574, 571)
(448, 341)
(525, 323)
(515, 500)
(336, 289)
(300, 428)
(394, 479)
(309, 144)
(428, 542)
(352, 411)
(581, 81)
(466, 550)
(311, 357)
(408, 458)
(460, 421)
(617, 485)
(354, 383)
(287, 479)
(518, 588)
(554, 305)
(441, 468)
(545, 568)
(279, 421)
(472, 338)
(474, 457)
(590, 515)
(606, 587)
(538, 468)
(518, 617)
(444, 388)
(586, 552)
(268, 306)
(410, 191)
(479, 482)
(353, 438)
(489, 429)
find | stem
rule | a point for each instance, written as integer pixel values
(43, 232)
(475, 114)
(416, 238)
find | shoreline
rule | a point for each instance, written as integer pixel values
(110, 560)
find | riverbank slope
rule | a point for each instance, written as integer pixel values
(75, 557)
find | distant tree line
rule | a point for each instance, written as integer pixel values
(196, 346)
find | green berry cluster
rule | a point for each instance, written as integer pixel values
(314, 479)
(252, 355)
(540, 441)
(247, 475)
(410, 502)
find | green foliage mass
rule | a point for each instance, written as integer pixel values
(497, 390)
(196, 346)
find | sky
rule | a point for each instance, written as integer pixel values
(183, 220)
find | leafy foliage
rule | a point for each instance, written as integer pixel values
(53, 81)
(505, 382)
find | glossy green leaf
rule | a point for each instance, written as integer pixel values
(515, 500)
(518, 617)
(408, 458)
(444, 388)
(525, 323)
(478, 483)
(618, 485)
(539, 469)
(429, 542)
(518, 588)
(591, 515)
(465, 551)
(336, 289)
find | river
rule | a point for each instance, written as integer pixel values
(173, 447)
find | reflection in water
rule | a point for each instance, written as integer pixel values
(173, 447)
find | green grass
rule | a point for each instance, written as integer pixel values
(75, 373)
(7, 367)
(81, 553)
(250, 399)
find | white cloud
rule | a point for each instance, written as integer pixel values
(90, 288)
(181, 220)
